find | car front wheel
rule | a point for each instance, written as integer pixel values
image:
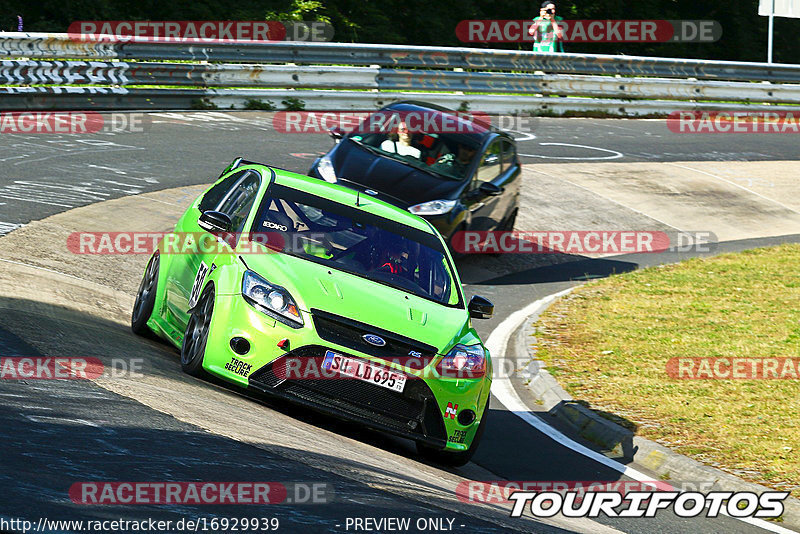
(146, 298)
(193, 348)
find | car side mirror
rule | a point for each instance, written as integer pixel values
(215, 222)
(336, 133)
(490, 190)
(480, 307)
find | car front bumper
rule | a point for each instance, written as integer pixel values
(426, 411)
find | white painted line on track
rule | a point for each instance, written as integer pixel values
(160, 201)
(527, 136)
(614, 153)
(8, 227)
(508, 397)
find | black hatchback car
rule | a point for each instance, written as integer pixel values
(458, 172)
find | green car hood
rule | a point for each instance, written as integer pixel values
(320, 287)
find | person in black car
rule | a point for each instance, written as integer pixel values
(456, 164)
(400, 143)
(467, 175)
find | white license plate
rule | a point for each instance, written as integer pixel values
(363, 370)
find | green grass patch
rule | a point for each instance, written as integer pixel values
(609, 342)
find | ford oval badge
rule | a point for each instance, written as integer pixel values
(372, 339)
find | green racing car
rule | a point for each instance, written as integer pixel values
(328, 297)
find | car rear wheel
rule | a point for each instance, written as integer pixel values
(193, 348)
(146, 298)
(455, 459)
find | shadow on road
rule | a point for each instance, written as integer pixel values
(572, 269)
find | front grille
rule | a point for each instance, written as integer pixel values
(413, 413)
(348, 333)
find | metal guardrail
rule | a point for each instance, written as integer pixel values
(60, 46)
(28, 72)
(120, 98)
(633, 84)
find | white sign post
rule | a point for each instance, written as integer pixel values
(777, 8)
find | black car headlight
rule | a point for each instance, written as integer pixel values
(433, 207)
(273, 300)
(326, 170)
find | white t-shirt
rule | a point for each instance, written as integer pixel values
(399, 148)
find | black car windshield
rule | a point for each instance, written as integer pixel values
(443, 144)
(353, 240)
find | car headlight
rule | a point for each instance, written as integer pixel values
(325, 169)
(434, 207)
(273, 300)
(464, 361)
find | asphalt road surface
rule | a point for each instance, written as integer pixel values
(42, 174)
(55, 433)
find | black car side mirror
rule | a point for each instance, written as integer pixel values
(215, 222)
(491, 190)
(336, 133)
(480, 307)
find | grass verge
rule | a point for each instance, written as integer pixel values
(609, 342)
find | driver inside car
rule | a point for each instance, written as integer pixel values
(400, 143)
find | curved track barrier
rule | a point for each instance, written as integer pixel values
(57, 71)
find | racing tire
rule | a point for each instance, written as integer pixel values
(455, 459)
(193, 348)
(146, 298)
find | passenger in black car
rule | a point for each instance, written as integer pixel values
(456, 164)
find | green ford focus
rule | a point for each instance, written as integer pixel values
(328, 297)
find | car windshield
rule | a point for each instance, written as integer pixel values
(442, 144)
(352, 240)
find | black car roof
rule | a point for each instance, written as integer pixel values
(419, 105)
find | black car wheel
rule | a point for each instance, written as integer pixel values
(146, 298)
(193, 348)
(455, 459)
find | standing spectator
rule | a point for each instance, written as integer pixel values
(547, 32)
(19, 23)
